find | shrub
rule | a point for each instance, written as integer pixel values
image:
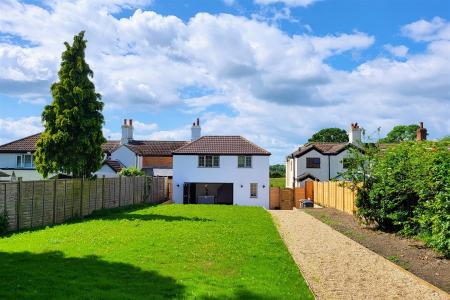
(132, 171)
(405, 188)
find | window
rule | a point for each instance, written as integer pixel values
(313, 162)
(24, 161)
(253, 190)
(208, 161)
(244, 161)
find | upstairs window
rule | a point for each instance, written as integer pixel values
(253, 190)
(25, 161)
(208, 161)
(313, 162)
(244, 161)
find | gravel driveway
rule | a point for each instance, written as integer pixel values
(337, 267)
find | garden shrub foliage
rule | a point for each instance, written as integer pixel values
(3, 222)
(405, 188)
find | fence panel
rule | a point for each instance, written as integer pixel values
(335, 195)
(31, 204)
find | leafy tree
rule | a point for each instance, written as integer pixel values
(401, 133)
(277, 171)
(330, 135)
(72, 139)
(131, 171)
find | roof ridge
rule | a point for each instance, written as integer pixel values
(24, 138)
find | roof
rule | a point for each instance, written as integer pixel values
(304, 176)
(116, 165)
(3, 174)
(155, 148)
(221, 145)
(26, 144)
(144, 148)
(323, 148)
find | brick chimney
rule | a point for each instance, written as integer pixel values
(127, 132)
(421, 134)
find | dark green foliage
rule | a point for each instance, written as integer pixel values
(277, 171)
(72, 139)
(330, 135)
(3, 222)
(401, 133)
(405, 188)
(131, 171)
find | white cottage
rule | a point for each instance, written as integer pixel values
(221, 170)
(320, 161)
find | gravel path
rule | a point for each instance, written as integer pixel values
(337, 267)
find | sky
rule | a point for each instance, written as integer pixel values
(273, 71)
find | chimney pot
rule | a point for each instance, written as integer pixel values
(421, 134)
(131, 122)
(124, 121)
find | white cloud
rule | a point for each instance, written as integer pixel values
(291, 3)
(422, 30)
(398, 51)
(278, 88)
(12, 129)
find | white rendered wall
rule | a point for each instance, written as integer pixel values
(125, 156)
(106, 171)
(9, 160)
(289, 172)
(185, 170)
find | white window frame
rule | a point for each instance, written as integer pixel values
(255, 186)
(209, 161)
(248, 161)
(20, 161)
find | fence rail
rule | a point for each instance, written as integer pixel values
(32, 204)
(334, 194)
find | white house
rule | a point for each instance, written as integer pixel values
(320, 161)
(221, 170)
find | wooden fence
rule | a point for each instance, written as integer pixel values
(335, 195)
(32, 204)
(287, 198)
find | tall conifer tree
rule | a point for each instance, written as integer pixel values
(72, 140)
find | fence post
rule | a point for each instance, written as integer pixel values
(120, 189)
(19, 196)
(81, 197)
(103, 191)
(54, 202)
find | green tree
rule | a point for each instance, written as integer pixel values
(72, 139)
(330, 135)
(131, 171)
(401, 133)
(445, 138)
(277, 171)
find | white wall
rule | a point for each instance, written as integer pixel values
(334, 161)
(185, 169)
(8, 160)
(289, 172)
(125, 156)
(106, 171)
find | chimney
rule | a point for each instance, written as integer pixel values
(196, 130)
(354, 134)
(421, 134)
(127, 132)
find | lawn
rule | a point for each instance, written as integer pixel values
(278, 182)
(156, 252)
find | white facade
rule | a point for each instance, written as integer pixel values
(106, 171)
(330, 166)
(127, 157)
(186, 170)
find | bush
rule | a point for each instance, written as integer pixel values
(3, 222)
(132, 171)
(405, 188)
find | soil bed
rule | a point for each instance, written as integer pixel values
(410, 254)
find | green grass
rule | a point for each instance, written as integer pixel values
(277, 182)
(159, 252)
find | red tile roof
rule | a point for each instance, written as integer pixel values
(155, 148)
(144, 148)
(323, 148)
(222, 145)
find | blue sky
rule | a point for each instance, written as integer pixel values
(274, 71)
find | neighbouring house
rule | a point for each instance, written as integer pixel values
(325, 161)
(320, 161)
(153, 157)
(221, 170)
